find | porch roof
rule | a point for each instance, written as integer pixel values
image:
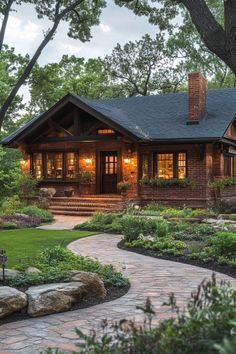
(153, 118)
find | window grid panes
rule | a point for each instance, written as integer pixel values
(229, 166)
(165, 166)
(54, 165)
(110, 165)
(182, 165)
(145, 165)
(71, 165)
(106, 131)
(171, 165)
(38, 165)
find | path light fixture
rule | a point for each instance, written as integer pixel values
(3, 261)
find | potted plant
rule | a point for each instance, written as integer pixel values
(86, 182)
(123, 187)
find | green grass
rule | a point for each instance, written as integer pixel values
(28, 242)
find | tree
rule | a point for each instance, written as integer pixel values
(72, 74)
(186, 47)
(10, 69)
(218, 36)
(81, 16)
(142, 67)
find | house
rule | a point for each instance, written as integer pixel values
(174, 143)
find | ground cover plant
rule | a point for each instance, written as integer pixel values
(207, 325)
(55, 264)
(15, 214)
(166, 232)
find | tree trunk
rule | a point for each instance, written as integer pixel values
(212, 33)
(4, 22)
(26, 72)
(29, 67)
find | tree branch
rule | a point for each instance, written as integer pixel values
(4, 22)
(29, 67)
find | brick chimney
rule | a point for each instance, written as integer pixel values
(197, 91)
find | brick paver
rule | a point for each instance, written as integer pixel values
(151, 277)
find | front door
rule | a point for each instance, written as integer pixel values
(109, 168)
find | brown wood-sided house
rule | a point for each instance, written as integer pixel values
(174, 143)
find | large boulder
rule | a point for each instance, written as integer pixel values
(94, 285)
(9, 274)
(11, 300)
(47, 192)
(31, 270)
(52, 298)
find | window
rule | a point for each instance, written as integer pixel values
(228, 166)
(54, 165)
(110, 165)
(71, 165)
(144, 165)
(182, 171)
(171, 165)
(37, 165)
(106, 131)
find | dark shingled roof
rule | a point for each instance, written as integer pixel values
(162, 117)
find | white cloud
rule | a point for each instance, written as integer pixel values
(69, 48)
(22, 30)
(105, 28)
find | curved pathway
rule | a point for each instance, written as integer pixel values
(151, 277)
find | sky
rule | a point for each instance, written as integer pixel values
(118, 25)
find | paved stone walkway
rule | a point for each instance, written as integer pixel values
(64, 222)
(148, 276)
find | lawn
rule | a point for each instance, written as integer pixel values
(27, 242)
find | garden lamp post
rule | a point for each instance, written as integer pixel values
(3, 260)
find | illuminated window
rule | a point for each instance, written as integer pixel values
(71, 165)
(171, 165)
(54, 165)
(165, 166)
(228, 166)
(37, 165)
(106, 131)
(110, 165)
(182, 165)
(145, 165)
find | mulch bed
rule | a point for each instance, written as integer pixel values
(224, 269)
(113, 293)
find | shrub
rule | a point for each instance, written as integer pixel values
(162, 228)
(49, 276)
(134, 226)
(176, 213)
(33, 210)
(27, 184)
(232, 217)
(222, 183)
(155, 207)
(161, 182)
(102, 222)
(10, 205)
(9, 225)
(86, 177)
(21, 221)
(62, 260)
(187, 231)
(123, 186)
(224, 244)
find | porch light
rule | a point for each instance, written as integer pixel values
(23, 162)
(88, 160)
(127, 160)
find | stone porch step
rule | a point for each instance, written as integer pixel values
(86, 205)
(72, 213)
(79, 208)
